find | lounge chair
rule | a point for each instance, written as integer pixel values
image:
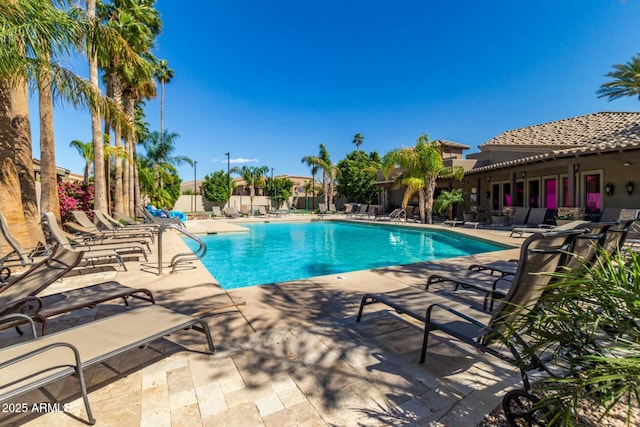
(535, 218)
(262, 211)
(231, 212)
(397, 214)
(610, 214)
(348, 209)
(20, 256)
(583, 249)
(127, 220)
(452, 222)
(519, 231)
(108, 230)
(93, 252)
(160, 220)
(79, 235)
(216, 212)
(361, 210)
(32, 364)
(22, 294)
(113, 224)
(332, 208)
(543, 252)
(519, 218)
(164, 214)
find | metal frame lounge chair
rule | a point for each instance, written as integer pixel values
(113, 224)
(19, 255)
(79, 235)
(35, 363)
(93, 252)
(231, 212)
(452, 222)
(160, 220)
(519, 231)
(21, 295)
(82, 219)
(519, 217)
(610, 214)
(215, 211)
(543, 252)
(582, 253)
(361, 211)
(534, 218)
(398, 214)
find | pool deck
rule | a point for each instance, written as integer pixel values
(290, 354)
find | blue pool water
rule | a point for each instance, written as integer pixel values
(278, 252)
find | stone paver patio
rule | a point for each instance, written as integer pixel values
(287, 355)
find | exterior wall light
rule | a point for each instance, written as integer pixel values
(629, 187)
(608, 189)
(523, 174)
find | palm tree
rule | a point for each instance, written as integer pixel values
(160, 159)
(253, 176)
(32, 31)
(329, 172)
(423, 164)
(86, 151)
(129, 78)
(99, 181)
(626, 81)
(163, 74)
(358, 139)
(446, 200)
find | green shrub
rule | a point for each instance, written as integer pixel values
(589, 324)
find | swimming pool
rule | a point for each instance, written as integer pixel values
(279, 252)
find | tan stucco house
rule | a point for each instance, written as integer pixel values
(580, 165)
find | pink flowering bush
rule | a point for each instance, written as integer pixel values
(74, 196)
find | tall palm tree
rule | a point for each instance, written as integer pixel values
(329, 172)
(163, 74)
(99, 183)
(358, 139)
(159, 157)
(129, 77)
(423, 162)
(253, 176)
(32, 32)
(625, 81)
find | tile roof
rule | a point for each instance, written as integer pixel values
(581, 131)
(450, 144)
(583, 135)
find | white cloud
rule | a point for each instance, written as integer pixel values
(241, 160)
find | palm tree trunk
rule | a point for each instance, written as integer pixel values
(100, 190)
(429, 190)
(118, 192)
(10, 198)
(127, 175)
(24, 160)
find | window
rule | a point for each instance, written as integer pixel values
(592, 193)
(534, 193)
(506, 194)
(565, 191)
(519, 196)
(495, 200)
(550, 195)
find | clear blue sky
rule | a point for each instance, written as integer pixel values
(270, 81)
